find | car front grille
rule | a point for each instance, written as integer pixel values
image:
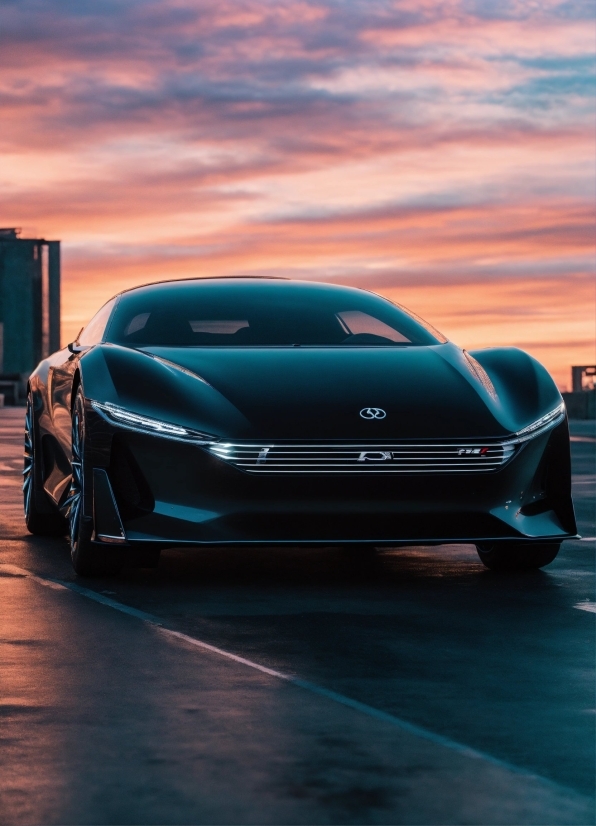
(367, 458)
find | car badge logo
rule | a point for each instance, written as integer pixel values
(372, 413)
(375, 456)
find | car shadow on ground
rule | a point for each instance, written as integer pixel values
(332, 566)
(444, 570)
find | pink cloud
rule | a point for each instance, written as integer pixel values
(438, 147)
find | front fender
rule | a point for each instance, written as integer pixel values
(143, 384)
(522, 384)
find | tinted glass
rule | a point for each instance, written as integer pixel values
(93, 332)
(247, 313)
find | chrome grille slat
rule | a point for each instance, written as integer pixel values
(321, 456)
(350, 463)
(463, 457)
(368, 470)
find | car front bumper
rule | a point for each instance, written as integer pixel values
(170, 493)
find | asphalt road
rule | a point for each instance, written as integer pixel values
(418, 688)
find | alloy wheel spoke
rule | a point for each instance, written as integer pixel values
(28, 459)
(67, 504)
(72, 506)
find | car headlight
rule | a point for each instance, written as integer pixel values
(145, 424)
(540, 425)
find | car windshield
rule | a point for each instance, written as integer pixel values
(262, 314)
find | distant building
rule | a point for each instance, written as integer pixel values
(29, 306)
(581, 403)
(583, 378)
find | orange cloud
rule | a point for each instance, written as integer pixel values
(439, 152)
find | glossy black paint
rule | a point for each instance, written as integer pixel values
(169, 492)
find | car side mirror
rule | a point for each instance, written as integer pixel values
(74, 346)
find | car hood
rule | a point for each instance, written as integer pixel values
(319, 393)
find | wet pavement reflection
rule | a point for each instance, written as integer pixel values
(504, 664)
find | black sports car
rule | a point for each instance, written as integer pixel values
(261, 411)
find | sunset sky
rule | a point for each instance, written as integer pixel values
(440, 152)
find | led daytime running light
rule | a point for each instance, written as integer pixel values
(134, 421)
(539, 426)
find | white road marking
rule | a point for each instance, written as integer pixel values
(112, 603)
(227, 654)
(586, 606)
(313, 688)
(48, 583)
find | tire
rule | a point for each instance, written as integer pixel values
(517, 556)
(87, 559)
(45, 520)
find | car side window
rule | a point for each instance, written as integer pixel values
(93, 332)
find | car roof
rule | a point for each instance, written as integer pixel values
(199, 279)
(256, 281)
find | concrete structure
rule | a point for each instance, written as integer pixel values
(581, 403)
(29, 305)
(583, 378)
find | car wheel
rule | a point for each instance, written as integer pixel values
(87, 559)
(515, 556)
(45, 521)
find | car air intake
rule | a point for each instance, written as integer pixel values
(367, 458)
(133, 495)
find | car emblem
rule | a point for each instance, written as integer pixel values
(375, 456)
(372, 413)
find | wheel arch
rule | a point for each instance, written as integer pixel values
(522, 383)
(77, 381)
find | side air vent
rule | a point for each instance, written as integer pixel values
(131, 490)
(107, 522)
